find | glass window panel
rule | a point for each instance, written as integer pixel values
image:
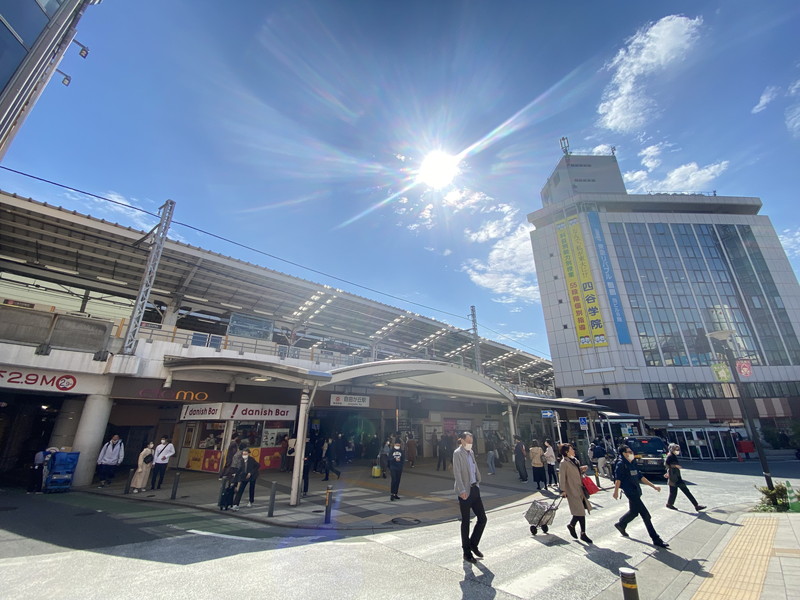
(11, 55)
(25, 17)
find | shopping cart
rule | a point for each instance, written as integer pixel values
(59, 468)
(540, 514)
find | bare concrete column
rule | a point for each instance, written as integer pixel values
(89, 436)
(66, 425)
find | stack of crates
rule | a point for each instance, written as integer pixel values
(58, 471)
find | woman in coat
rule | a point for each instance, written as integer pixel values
(571, 473)
(142, 476)
(550, 459)
(537, 464)
(411, 451)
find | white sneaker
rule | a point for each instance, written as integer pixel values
(135, 490)
(249, 504)
(235, 507)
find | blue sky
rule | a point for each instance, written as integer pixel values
(297, 128)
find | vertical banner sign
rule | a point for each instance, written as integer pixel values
(580, 285)
(612, 292)
(721, 372)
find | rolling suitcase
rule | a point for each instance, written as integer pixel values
(540, 514)
(226, 495)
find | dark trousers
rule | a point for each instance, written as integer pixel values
(521, 468)
(306, 470)
(251, 483)
(636, 508)
(442, 462)
(35, 479)
(396, 475)
(329, 467)
(157, 475)
(673, 493)
(106, 472)
(475, 504)
(552, 478)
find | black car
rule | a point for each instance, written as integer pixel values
(650, 453)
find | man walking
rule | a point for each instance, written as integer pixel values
(111, 455)
(467, 486)
(396, 460)
(628, 477)
(161, 456)
(676, 480)
(519, 458)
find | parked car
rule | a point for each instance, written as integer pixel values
(650, 453)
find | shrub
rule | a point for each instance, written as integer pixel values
(775, 500)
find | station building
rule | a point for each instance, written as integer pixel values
(633, 284)
(229, 347)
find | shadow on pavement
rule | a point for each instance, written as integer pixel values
(477, 587)
(607, 558)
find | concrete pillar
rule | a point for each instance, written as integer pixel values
(300, 445)
(89, 436)
(66, 425)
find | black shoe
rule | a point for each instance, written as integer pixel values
(469, 558)
(477, 553)
(700, 507)
(621, 529)
(586, 538)
(572, 531)
(396, 497)
(325, 479)
(661, 544)
(392, 498)
(671, 507)
(338, 476)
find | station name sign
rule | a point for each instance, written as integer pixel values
(352, 401)
(231, 411)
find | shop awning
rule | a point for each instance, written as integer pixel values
(558, 403)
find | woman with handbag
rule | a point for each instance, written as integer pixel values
(571, 475)
(537, 464)
(143, 466)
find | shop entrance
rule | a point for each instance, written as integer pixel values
(704, 444)
(26, 424)
(359, 425)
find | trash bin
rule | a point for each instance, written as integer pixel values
(59, 468)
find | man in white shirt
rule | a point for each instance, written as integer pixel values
(161, 457)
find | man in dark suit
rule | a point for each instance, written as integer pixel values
(246, 475)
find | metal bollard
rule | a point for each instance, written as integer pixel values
(175, 486)
(328, 503)
(128, 483)
(273, 490)
(630, 591)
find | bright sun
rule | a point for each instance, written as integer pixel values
(438, 170)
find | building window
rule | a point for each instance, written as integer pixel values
(606, 391)
(580, 393)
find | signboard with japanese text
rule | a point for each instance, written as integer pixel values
(581, 291)
(721, 371)
(607, 272)
(352, 401)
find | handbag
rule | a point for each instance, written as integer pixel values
(589, 485)
(148, 459)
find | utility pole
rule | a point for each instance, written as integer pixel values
(157, 238)
(476, 340)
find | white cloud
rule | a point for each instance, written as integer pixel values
(625, 107)
(768, 95)
(791, 242)
(447, 252)
(792, 120)
(686, 178)
(491, 230)
(602, 149)
(650, 156)
(125, 211)
(508, 271)
(794, 88)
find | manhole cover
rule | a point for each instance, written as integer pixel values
(8, 508)
(404, 521)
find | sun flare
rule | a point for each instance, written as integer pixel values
(438, 170)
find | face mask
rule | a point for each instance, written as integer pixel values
(163, 441)
(468, 446)
(245, 456)
(629, 457)
(397, 447)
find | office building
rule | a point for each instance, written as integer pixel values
(631, 284)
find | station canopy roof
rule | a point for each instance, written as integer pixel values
(56, 247)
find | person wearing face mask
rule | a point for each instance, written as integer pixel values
(397, 458)
(675, 480)
(143, 467)
(572, 489)
(467, 486)
(628, 477)
(111, 456)
(246, 476)
(164, 451)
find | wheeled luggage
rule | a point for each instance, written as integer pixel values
(540, 514)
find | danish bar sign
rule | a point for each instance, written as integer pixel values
(49, 381)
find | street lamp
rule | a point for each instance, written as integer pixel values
(725, 336)
(84, 51)
(67, 79)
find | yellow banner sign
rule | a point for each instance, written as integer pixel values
(581, 289)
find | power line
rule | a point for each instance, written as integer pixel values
(267, 254)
